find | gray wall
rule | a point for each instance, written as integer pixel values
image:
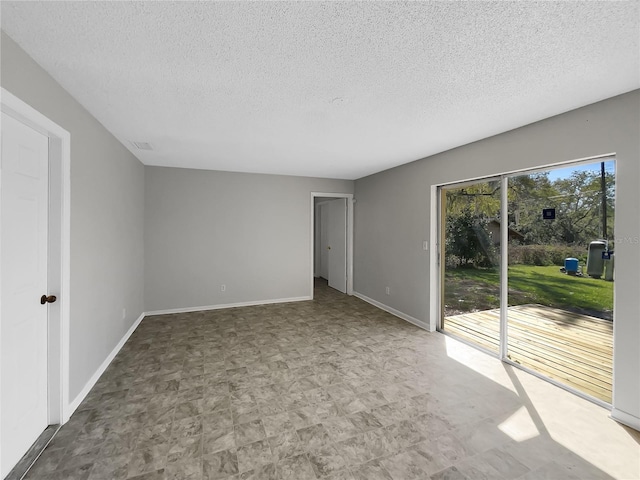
(249, 232)
(392, 215)
(107, 217)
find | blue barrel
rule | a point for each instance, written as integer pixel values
(571, 265)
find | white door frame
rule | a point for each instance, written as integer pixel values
(349, 197)
(59, 251)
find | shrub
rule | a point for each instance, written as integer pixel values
(468, 242)
(541, 255)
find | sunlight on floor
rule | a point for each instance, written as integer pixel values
(477, 361)
(520, 426)
(574, 434)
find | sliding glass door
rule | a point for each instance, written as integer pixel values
(551, 310)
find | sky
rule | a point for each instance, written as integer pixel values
(566, 172)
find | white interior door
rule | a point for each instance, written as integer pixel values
(337, 243)
(23, 267)
(324, 241)
(317, 244)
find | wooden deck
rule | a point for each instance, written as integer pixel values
(573, 349)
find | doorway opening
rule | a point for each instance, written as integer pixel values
(332, 241)
(54, 364)
(527, 271)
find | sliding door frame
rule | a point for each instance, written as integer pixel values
(504, 267)
(438, 268)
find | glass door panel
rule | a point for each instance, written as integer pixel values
(470, 239)
(560, 275)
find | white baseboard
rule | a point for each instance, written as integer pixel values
(393, 311)
(625, 418)
(227, 305)
(96, 376)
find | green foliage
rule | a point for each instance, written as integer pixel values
(468, 240)
(577, 199)
(483, 199)
(544, 254)
(469, 209)
(578, 203)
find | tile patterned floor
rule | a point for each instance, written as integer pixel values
(333, 389)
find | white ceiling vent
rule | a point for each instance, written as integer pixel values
(142, 145)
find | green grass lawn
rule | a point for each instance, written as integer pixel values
(469, 289)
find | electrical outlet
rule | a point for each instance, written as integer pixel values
(387, 290)
(124, 313)
(425, 245)
(223, 288)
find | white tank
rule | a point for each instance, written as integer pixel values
(595, 263)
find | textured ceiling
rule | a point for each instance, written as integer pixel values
(325, 89)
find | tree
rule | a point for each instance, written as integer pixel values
(483, 198)
(528, 195)
(468, 239)
(576, 197)
(578, 203)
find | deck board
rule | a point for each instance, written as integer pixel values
(574, 349)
